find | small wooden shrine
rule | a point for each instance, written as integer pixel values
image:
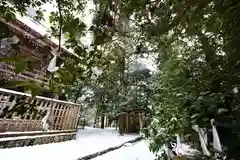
(131, 120)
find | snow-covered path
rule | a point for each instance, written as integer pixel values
(139, 151)
(89, 140)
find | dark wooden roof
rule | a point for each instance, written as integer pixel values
(134, 110)
(31, 38)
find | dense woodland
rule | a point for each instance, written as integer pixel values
(194, 43)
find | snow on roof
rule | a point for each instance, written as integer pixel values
(43, 27)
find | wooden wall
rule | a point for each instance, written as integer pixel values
(131, 121)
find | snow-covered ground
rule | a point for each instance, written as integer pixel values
(89, 140)
(138, 151)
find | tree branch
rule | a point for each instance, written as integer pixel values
(60, 24)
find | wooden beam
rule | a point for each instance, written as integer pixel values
(34, 133)
(22, 76)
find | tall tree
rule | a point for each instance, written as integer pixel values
(197, 47)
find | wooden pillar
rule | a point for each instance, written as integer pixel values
(106, 121)
(53, 113)
(71, 117)
(127, 126)
(56, 124)
(75, 120)
(116, 123)
(27, 101)
(79, 115)
(62, 116)
(121, 123)
(143, 119)
(140, 121)
(66, 117)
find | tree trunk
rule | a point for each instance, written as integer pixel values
(95, 120)
(84, 122)
(110, 122)
(102, 121)
(116, 124)
(77, 95)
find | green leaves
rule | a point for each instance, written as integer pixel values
(20, 67)
(75, 22)
(73, 26)
(38, 3)
(29, 86)
(39, 15)
(10, 59)
(194, 117)
(20, 64)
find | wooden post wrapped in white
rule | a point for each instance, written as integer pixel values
(202, 141)
(168, 152)
(52, 64)
(46, 121)
(216, 139)
(184, 149)
(178, 149)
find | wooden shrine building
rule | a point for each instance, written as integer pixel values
(131, 120)
(35, 49)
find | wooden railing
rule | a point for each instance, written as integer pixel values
(65, 114)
